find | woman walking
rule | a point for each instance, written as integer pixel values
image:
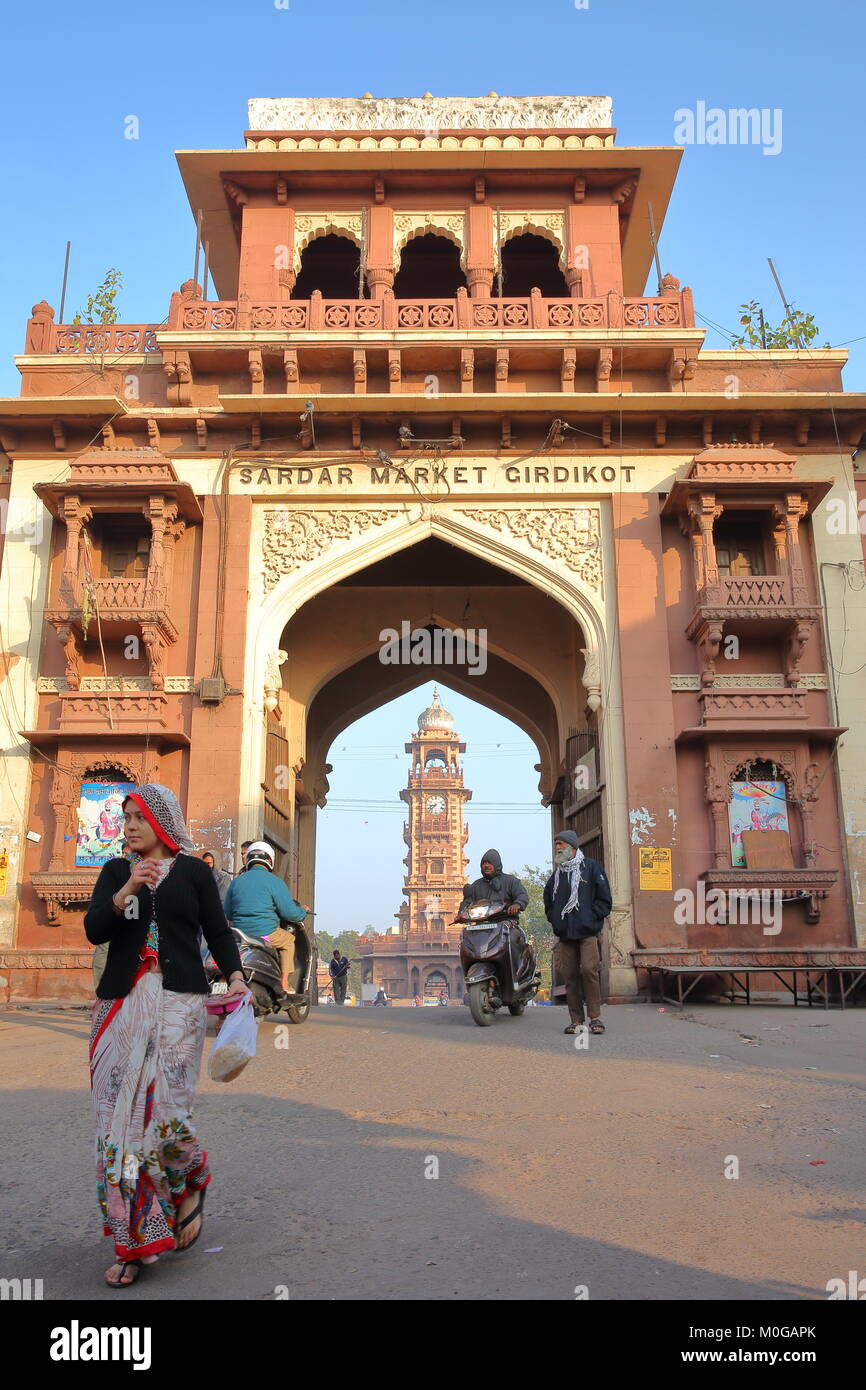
(148, 1031)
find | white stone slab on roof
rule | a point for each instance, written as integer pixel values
(430, 113)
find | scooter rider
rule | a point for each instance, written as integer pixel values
(496, 886)
(258, 903)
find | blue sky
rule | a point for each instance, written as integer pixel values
(360, 831)
(73, 73)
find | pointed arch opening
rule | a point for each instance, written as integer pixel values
(532, 262)
(330, 264)
(429, 269)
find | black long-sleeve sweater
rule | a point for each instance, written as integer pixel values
(186, 900)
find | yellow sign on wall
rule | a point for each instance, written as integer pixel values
(655, 869)
(4, 871)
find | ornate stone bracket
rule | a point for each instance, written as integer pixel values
(591, 678)
(273, 680)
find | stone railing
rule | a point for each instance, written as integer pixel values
(604, 312)
(111, 595)
(98, 338)
(750, 594)
(382, 943)
(114, 594)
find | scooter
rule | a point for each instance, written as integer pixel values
(498, 962)
(260, 963)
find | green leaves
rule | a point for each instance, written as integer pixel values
(797, 330)
(100, 306)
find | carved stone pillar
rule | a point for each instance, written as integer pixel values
(574, 281)
(717, 794)
(379, 272)
(704, 512)
(76, 517)
(480, 281)
(165, 529)
(788, 514)
(379, 279)
(811, 780)
(62, 797)
(478, 257)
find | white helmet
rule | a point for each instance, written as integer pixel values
(260, 852)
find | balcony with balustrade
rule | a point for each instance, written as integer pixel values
(139, 488)
(191, 315)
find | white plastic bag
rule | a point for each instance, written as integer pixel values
(234, 1045)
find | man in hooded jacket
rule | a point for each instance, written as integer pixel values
(496, 885)
(577, 900)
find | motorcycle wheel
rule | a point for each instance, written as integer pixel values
(299, 1013)
(516, 1009)
(479, 1004)
(262, 1002)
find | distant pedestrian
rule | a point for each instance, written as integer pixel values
(338, 969)
(381, 997)
(577, 901)
(223, 879)
(244, 847)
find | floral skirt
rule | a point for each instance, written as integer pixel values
(145, 1054)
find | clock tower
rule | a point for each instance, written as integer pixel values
(434, 832)
(421, 954)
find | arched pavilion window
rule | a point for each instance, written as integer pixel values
(529, 262)
(429, 269)
(331, 264)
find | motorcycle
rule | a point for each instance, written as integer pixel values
(260, 963)
(498, 962)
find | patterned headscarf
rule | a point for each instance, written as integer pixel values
(571, 869)
(161, 809)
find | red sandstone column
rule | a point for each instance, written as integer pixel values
(593, 247)
(479, 251)
(651, 769)
(213, 789)
(266, 272)
(380, 250)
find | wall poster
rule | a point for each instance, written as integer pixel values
(100, 821)
(755, 806)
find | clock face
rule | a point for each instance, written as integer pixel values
(435, 805)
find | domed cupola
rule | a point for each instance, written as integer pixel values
(435, 716)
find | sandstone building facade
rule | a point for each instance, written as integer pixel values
(432, 388)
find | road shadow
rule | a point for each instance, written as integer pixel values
(310, 1203)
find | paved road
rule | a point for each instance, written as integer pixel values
(557, 1168)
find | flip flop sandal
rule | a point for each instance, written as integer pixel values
(573, 1027)
(198, 1210)
(121, 1282)
(596, 1025)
